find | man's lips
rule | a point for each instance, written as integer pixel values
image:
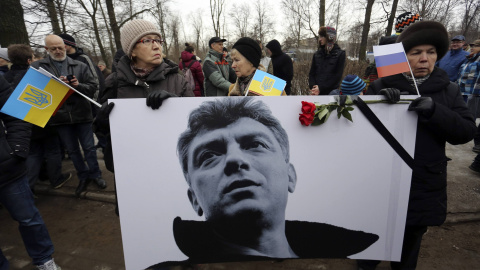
(239, 184)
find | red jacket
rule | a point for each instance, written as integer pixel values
(196, 69)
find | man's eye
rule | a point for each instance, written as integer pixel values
(255, 145)
(206, 157)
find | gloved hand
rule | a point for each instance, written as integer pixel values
(101, 123)
(423, 106)
(392, 94)
(156, 98)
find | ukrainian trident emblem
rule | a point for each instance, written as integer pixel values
(35, 97)
(267, 84)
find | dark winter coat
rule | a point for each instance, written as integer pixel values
(450, 122)
(76, 108)
(196, 69)
(14, 141)
(79, 55)
(124, 84)
(219, 74)
(327, 69)
(282, 64)
(15, 74)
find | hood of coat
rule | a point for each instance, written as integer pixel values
(275, 47)
(187, 56)
(126, 75)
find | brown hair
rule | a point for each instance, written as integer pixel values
(19, 54)
(189, 48)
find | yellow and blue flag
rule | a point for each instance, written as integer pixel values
(36, 98)
(264, 84)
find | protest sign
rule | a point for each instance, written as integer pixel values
(348, 181)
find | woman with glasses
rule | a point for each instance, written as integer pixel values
(141, 73)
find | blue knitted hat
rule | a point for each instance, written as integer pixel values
(352, 85)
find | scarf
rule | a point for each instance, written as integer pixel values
(243, 82)
(141, 73)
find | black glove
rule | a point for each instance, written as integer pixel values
(101, 124)
(423, 106)
(392, 94)
(156, 98)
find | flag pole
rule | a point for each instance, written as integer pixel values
(411, 72)
(41, 70)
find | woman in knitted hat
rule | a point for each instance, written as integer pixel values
(141, 73)
(246, 54)
(442, 117)
(327, 64)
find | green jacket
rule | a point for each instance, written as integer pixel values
(219, 74)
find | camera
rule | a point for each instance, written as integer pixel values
(69, 78)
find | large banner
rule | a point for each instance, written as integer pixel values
(235, 178)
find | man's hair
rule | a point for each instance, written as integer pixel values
(19, 54)
(220, 113)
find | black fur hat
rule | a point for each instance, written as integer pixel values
(426, 32)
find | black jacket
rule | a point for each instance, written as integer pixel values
(79, 55)
(282, 64)
(76, 108)
(451, 122)
(327, 69)
(200, 243)
(14, 141)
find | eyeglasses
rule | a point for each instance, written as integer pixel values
(149, 41)
(457, 41)
(52, 49)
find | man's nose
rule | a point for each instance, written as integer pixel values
(236, 160)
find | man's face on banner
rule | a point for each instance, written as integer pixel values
(239, 169)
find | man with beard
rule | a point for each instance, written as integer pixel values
(74, 119)
(235, 158)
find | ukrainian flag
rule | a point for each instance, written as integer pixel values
(36, 98)
(264, 84)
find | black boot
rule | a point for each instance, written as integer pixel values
(82, 186)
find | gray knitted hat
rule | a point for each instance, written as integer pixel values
(133, 31)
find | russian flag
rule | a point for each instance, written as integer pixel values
(390, 59)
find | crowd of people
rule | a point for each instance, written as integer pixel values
(444, 72)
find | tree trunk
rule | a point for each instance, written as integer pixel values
(366, 29)
(52, 14)
(322, 13)
(12, 24)
(113, 23)
(391, 18)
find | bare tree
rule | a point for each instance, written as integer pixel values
(293, 13)
(160, 12)
(301, 10)
(12, 25)
(391, 18)
(366, 29)
(197, 24)
(113, 23)
(52, 13)
(216, 10)
(472, 8)
(91, 7)
(174, 26)
(263, 22)
(321, 12)
(240, 16)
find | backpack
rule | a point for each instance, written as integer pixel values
(187, 73)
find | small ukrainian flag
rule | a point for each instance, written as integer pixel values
(264, 84)
(36, 98)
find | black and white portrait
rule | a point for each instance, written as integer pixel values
(232, 179)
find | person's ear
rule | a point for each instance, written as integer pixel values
(292, 178)
(193, 200)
